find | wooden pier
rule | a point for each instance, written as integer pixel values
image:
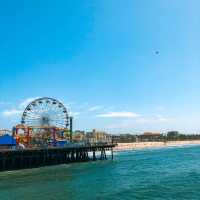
(32, 158)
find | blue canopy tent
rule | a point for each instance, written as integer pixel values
(7, 140)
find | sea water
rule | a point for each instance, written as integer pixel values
(152, 174)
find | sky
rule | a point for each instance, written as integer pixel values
(123, 66)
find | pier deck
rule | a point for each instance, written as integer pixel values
(32, 158)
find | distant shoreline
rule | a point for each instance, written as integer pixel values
(146, 145)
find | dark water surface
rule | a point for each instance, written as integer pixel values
(168, 173)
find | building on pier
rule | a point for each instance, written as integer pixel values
(7, 142)
(98, 137)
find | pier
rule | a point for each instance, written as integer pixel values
(33, 158)
(45, 137)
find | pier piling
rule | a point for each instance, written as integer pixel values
(32, 158)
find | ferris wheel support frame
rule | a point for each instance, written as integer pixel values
(71, 127)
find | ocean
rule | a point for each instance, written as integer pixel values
(152, 174)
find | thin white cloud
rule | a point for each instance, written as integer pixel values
(122, 114)
(74, 114)
(12, 112)
(153, 119)
(18, 110)
(68, 104)
(83, 106)
(144, 121)
(25, 102)
(3, 103)
(95, 108)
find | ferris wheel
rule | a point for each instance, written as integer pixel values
(45, 112)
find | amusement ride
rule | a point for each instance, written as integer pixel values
(45, 122)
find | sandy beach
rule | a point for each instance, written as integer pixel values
(143, 145)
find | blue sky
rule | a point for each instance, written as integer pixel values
(98, 57)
